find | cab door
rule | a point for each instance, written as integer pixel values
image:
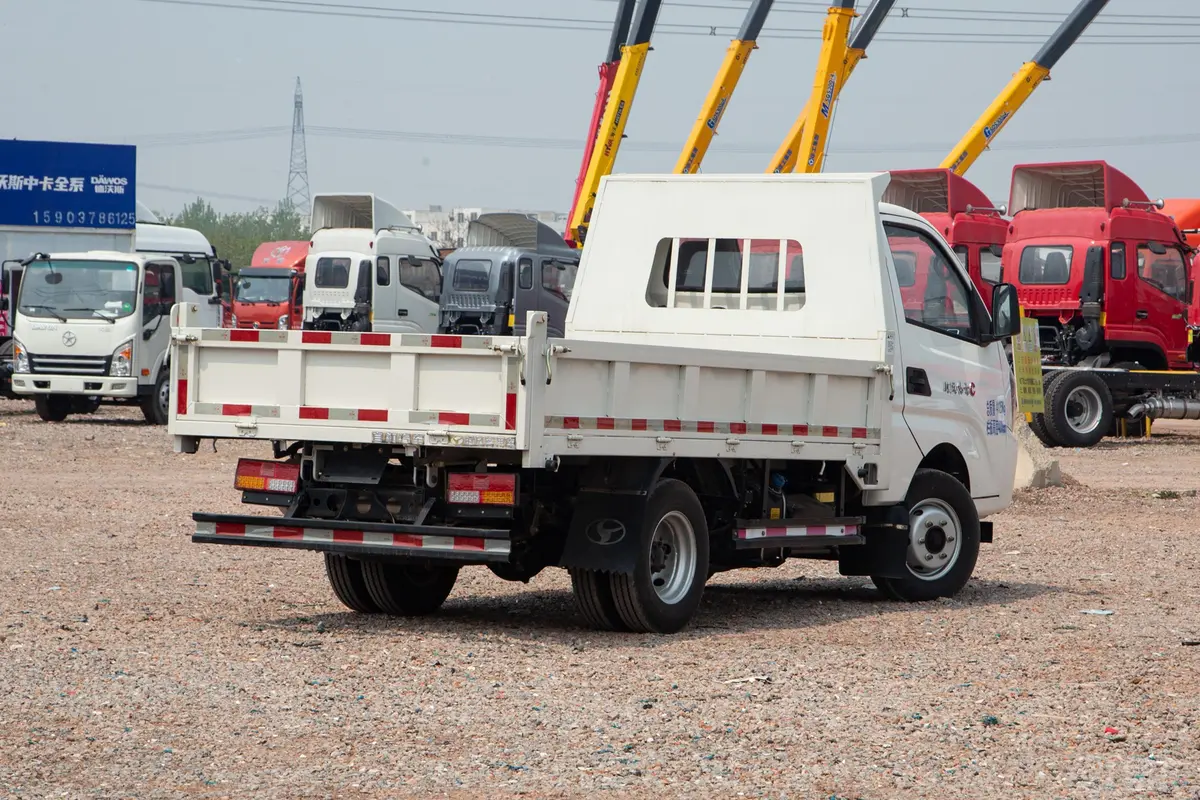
(957, 391)
(412, 293)
(1162, 298)
(386, 313)
(160, 287)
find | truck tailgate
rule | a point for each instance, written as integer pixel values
(384, 388)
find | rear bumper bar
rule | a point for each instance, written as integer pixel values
(365, 539)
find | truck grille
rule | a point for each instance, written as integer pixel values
(69, 365)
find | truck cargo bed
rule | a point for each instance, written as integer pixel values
(542, 397)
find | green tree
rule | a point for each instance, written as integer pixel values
(237, 234)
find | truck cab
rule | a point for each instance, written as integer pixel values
(962, 214)
(95, 325)
(386, 280)
(1104, 271)
(269, 293)
(510, 264)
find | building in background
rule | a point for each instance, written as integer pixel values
(447, 227)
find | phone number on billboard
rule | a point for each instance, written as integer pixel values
(109, 218)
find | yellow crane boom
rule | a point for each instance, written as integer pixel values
(717, 101)
(1019, 89)
(837, 61)
(616, 114)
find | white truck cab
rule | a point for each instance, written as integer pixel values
(742, 381)
(95, 325)
(362, 280)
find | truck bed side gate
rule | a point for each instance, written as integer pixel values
(357, 379)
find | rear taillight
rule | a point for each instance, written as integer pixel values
(266, 476)
(480, 489)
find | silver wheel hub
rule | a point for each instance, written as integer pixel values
(1082, 409)
(164, 398)
(935, 539)
(673, 557)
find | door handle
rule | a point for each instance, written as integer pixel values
(1142, 313)
(917, 382)
(401, 312)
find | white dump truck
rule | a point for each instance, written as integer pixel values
(709, 408)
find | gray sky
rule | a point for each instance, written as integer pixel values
(156, 74)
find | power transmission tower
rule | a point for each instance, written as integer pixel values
(297, 186)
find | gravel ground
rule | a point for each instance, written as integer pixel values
(140, 665)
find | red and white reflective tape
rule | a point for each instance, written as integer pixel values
(444, 418)
(346, 338)
(803, 530)
(512, 380)
(692, 426)
(399, 541)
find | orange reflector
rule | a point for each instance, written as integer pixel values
(145, 373)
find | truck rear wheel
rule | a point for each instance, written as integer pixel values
(943, 539)
(594, 597)
(663, 593)
(1037, 422)
(346, 579)
(52, 407)
(408, 590)
(1079, 409)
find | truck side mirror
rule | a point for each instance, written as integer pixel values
(1006, 312)
(216, 272)
(1158, 248)
(997, 250)
(3, 303)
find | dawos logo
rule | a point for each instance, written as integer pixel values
(102, 184)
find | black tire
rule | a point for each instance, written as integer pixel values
(85, 405)
(156, 406)
(52, 407)
(594, 597)
(1065, 394)
(1037, 422)
(637, 599)
(945, 490)
(346, 578)
(408, 590)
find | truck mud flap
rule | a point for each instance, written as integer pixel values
(886, 549)
(606, 532)
(360, 539)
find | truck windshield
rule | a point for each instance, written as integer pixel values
(332, 273)
(262, 289)
(473, 275)
(79, 289)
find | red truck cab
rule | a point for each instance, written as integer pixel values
(268, 293)
(1105, 272)
(964, 216)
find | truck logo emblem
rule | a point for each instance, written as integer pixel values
(605, 531)
(69, 339)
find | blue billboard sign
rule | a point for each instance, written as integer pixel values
(67, 184)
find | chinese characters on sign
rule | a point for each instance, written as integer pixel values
(997, 413)
(67, 184)
(965, 388)
(1027, 363)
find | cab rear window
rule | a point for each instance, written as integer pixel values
(1046, 265)
(332, 273)
(472, 275)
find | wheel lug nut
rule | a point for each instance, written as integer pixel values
(943, 556)
(928, 523)
(929, 558)
(920, 541)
